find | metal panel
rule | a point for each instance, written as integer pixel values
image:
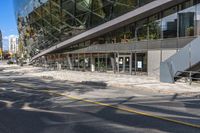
(154, 44)
(142, 45)
(135, 46)
(182, 60)
(171, 43)
(165, 75)
(182, 42)
(195, 52)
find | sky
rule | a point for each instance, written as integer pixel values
(8, 25)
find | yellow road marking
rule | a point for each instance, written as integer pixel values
(126, 110)
(136, 112)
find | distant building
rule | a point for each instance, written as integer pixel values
(1, 41)
(13, 44)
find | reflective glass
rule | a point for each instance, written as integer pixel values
(141, 30)
(154, 27)
(198, 19)
(169, 23)
(187, 19)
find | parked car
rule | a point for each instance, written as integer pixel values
(11, 61)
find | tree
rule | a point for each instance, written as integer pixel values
(1, 53)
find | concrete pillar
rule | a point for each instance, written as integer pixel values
(131, 63)
(78, 62)
(98, 62)
(113, 63)
(112, 59)
(84, 63)
(45, 62)
(106, 62)
(118, 62)
(135, 63)
(69, 62)
(92, 64)
(58, 64)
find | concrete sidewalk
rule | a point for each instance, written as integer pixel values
(143, 83)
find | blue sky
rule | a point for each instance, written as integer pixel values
(7, 21)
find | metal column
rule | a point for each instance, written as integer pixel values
(131, 63)
(135, 63)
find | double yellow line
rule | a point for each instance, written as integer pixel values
(126, 110)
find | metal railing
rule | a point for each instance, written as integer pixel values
(187, 75)
(145, 45)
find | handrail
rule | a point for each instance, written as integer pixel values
(189, 75)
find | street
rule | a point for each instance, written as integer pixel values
(33, 105)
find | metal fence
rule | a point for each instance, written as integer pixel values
(187, 75)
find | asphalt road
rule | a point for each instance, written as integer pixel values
(24, 108)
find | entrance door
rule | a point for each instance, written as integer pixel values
(124, 64)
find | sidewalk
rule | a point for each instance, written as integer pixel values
(143, 83)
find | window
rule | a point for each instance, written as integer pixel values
(186, 19)
(154, 27)
(169, 23)
(141, 30)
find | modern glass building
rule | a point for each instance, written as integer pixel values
(120, 36)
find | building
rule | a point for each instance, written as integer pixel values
(1, 45)
(1, 41)
(120, 36)
(13, 44)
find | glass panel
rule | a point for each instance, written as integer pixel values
(101, 11)
(169, 23)
(198, 19)
(128, 34)
(143, 2)
(102, 62)
(154, 27)
(141, 62)
(118, 35)
(121, 64)
(127, 64)
(186, 19)
(141, 30)
(122, 6)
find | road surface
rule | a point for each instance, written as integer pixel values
(26, 108)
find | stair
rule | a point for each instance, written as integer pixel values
(187, 59)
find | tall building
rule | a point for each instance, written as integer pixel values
(13, 44)
(1, 41)
(122, 36)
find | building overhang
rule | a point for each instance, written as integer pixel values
(130, 17)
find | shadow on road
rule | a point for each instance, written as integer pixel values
(23, 109)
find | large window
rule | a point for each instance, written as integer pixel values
(142, 30)
(186, 19)
(122, 6)
(169, 23)
(154, 27)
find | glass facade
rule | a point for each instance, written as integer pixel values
(181, 20)
(44, 23)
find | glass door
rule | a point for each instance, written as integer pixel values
(121, 64)
(127, 64)
(124, 63)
